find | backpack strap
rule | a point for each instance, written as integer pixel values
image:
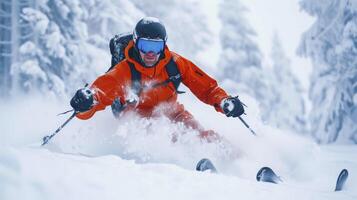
(171, 70)
(174, 74)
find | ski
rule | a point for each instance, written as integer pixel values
(341, 180)
(266, 174)
(204, 165)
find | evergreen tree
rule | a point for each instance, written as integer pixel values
(5, 46)
(63, 52)
(239, 51)
(286, 108)
(54, 56)
(240, 57)
(331, 43)
(14, 31)
(240, 62)
(276, 89)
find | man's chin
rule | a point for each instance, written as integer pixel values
(150, 63)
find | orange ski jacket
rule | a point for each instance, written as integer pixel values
(117, 84)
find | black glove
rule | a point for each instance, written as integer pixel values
(232, 107)
(83, 100)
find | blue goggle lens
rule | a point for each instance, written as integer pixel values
(146, 46)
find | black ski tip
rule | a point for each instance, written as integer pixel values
(205, 164)
(341, 180)
(266, 174)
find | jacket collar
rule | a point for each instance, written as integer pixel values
(149, 71)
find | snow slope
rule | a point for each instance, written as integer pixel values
(41, 174)
(134, 158)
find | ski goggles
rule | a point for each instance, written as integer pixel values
(150, 45)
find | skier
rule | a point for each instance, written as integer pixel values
(145, 76)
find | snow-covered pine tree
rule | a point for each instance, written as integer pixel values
(331, 43)
(13, 32)
(64, 53)
(286, 108)
(5, 46)
(276, 89)
(48, 61)
(240, 60)
(240, 67)
(239, 51)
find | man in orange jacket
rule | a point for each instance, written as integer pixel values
(147, 79)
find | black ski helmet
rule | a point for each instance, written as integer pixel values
(149, 28)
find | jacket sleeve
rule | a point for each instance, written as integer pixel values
(201, 85)
(106, 87)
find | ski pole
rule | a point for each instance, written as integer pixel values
(48, 137)
(65, 112)
(246, 125)
(242, 120)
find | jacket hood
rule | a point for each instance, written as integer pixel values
(149, 71)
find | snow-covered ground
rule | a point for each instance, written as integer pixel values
(134, 158)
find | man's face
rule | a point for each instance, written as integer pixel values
(150, 50)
